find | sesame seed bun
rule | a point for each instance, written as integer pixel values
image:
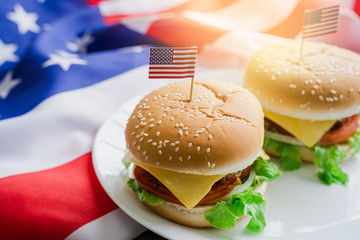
(194, 217)
(324, 85)
(220, 131)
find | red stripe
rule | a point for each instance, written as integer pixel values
(320, 34)
(357, 7)
(51, 204)
(190, 58)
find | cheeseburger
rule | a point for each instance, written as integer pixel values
(311, 104)
(194, 161)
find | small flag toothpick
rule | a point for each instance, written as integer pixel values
(173, 62)
(319, 22)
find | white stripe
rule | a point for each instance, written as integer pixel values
(129, 7)
(62, 127)
(112, 226)
(321, 24)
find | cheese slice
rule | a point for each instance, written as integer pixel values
(307, 131)
(188, 188)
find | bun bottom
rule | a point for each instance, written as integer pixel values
(194, 217)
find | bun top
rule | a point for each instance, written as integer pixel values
(220, 131)
(324, 85)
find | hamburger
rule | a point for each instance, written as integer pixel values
(311, 104)
(195, 161)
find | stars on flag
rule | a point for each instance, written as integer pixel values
(64, 60)
(7, 53)
(25, 21)
(7, 84)
(80, 45)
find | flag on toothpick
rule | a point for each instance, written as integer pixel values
(320, 21)
(174, 62)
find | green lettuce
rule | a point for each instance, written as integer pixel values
(290, 157)
(354, 143)
(327, 158)
(225, 213)
(265, 171)
(143, 195)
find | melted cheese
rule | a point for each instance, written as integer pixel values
(307, 131)
(188, 188)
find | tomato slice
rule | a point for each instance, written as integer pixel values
(154, 186)
(343, 133)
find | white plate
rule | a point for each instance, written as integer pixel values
(298, 206)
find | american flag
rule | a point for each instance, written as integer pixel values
(64, 68)
(178, 62)
(320, 21)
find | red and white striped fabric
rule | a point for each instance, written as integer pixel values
(48, 187)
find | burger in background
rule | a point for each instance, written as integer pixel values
(311, 105)
(200, 163)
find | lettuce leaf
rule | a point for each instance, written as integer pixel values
(290, 158)
(144, 195)
(225, 213)
(265, 171)
(354, 143)
(327, 159)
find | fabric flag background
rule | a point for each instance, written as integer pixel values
(65, 66)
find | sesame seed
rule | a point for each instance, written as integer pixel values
(149, 114)
(196, 135)
(159, 122)
(177, 149)
(177, 142)
(159, 146)
(134, 143)
(133, 133)
(315, 87)
(170, 158)
(213, 165)
(149, 141)
(157, 133)
(139, 148)
(172, 144)
(146, 158)
(171, 118)
(341, 96)
(190, 144)
(151, 120)
(176, 125)
(137, 126)
(181, 125)
(144, 153)
(180, 132)
(186, 133)
(313, 92)
(160, 152)
(180, 159)
(141, 139)
(333, 91)
(302, 92)
(208, 163)
(208, 150)
(273, 77)
(198, 148)
(321, 98)
(157, 163)
(189, 157)
(154, 144)
(164, 115)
